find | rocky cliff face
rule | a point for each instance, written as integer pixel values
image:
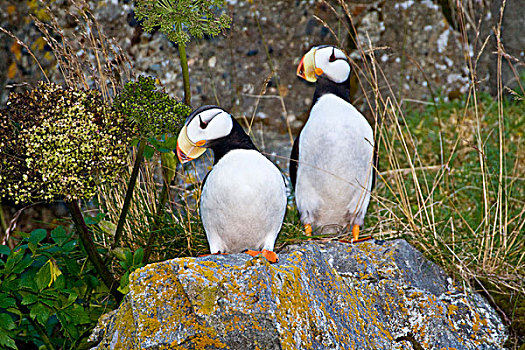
(374, 295)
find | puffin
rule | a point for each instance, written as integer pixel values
(243, 198)
(333, 158)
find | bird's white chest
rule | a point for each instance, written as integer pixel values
(243, 202)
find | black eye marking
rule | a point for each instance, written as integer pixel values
(202, 124)
(332, 56)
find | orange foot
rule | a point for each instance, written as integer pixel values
(355, 235)
(268, 254)
(308, 230)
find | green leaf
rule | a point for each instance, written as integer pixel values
(23, 264)
(78, 314)
(6, 301)
(66, 322)
(124, 283)
(40, 312)
(29, 299)
(13, 260)
(171, 142)
(6, 340)
(154, 142)
(37, 235)
(129, 257)
(137, 257)
(90, 220)
(124, 290)
(43, 277)
(5, 250)
(107, 227)
(169, 166)
(69, 246)
(59, 235)
(148, 152)
(6, 322)
(28, 281)
(72, 297)
(134, 142)
(91, 281)
(33, 247)
(60, 282)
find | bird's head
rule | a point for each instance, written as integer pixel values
(204, 125)
(327, 61)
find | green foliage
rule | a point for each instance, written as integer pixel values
(177, 18)
(465, 185)
(129, 261)
(48, 290)
(153, 111)
(57, 142)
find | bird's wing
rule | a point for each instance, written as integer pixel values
(294, 160)
(375, 164)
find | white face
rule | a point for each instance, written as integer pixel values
(333, 62)
(209, 125)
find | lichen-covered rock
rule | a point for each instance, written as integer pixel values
(374, 295)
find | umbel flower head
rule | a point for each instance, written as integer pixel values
(179, 19)
(57, 142)
(152, 111)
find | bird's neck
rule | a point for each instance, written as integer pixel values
(237, 139)
(326, 86)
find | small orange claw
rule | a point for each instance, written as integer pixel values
(268, 254)
(308, 230)
(355, 235)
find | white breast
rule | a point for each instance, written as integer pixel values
(243, 203)
(334, 175)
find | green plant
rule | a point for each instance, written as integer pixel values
(48, 293)
(155, 114)
(61, 144)
(178, 19)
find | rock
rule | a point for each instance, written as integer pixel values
(513, 42)
(375, 295)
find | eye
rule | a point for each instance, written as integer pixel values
(203, 125)
(332, 56)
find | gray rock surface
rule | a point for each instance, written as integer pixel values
(373, 295)
(513, 42)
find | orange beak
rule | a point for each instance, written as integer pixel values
(306, 68)
(186, 149)
(300, 69)
(183, 157)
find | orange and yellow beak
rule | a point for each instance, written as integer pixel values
(186, 149)
(307, 69)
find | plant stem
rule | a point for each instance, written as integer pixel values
(35, 324)
(2, 220)
(185, 74)
(153, 234)
(129, 193)
(91, 250)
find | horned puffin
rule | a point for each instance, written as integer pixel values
(243, 199)
(333, 157)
